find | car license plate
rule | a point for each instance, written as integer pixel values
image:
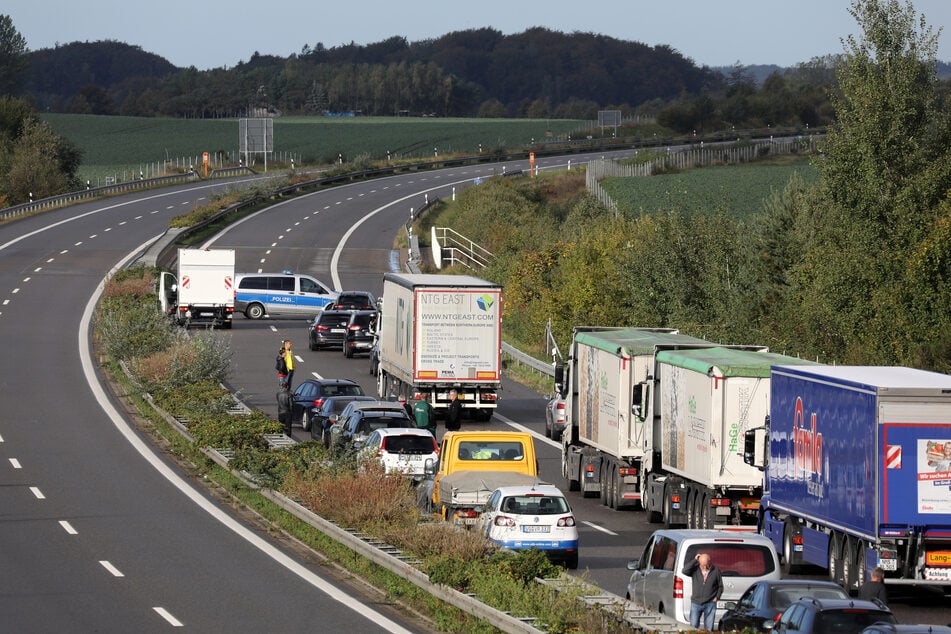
(405, 458)
(888, 564)
(336, 330)
(536, 529)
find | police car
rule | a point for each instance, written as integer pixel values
(532, 516)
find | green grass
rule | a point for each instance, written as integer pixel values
(739, 190)
(115, 144)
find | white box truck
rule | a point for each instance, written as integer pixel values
(441, 332)
(202, 292)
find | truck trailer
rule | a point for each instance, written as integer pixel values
(439, 333)
(709, 397)
(857, 464)
(202, 291)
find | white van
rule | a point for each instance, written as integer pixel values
(657, 579)
(284, 294)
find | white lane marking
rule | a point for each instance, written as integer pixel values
(169, 207)
(26, 279)
(335, 260)
(168, 617)
(93, 236)
(63, 252)
(112, 569)
(186, 488)
(39, 494)
(123, 222)
(273, 328)
(6, 301)
(15, 463)
(15, 291)
(520, 427)
(298, 359)
(68, 527)
(598, 528)
(77, 244)
(317, 375)
(107, 229)
(1, 438)
(40, 268)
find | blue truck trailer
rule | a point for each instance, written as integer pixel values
(857, 463)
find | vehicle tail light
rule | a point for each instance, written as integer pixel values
(675, 499)
(489, 396)
(321, 328)
(778, 616)
(719, 502)
(318, 401)
(568, 520)
(678, 587)
(797, 540)
(354, 327)
(589, 468)
(627, 471)
(504, 520)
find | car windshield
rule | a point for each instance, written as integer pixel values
(848, 620)
(501, 450)
(736, 559)
(784, 596)
(410, 444)
(535, 505)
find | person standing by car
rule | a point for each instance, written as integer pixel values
(707, 588)
(875, 587)
(454, 412)
(289, 362)
(281, 366)
(423, 414)
(284, 408)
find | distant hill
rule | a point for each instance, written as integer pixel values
(457, 74)
(59, 74)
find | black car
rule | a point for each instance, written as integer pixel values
(822, 616)
(312, 392)
(364, 422)
(353, 300)
(360, 333)
(329, 329)
(323, 418)
(763, 601)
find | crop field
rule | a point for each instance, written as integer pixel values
(114, 144)
(739, 190)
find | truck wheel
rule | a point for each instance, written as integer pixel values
(666, 509)
(835, 559)
(381, 384)
(603, 483)
(573, 485)
(254, 311)
(612, 488)
(861, 565)
(691, 509)
(788, 568)
(848, 564)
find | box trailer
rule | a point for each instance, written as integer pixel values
(858, 471)
(202, 291)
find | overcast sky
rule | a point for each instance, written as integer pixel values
(213, 34)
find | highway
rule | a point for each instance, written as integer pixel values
(101, 532)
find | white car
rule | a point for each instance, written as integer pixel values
(402, 450)
(532, 516)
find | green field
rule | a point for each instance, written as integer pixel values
(114, 144)
(739, 190)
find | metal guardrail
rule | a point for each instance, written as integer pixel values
(525, 359)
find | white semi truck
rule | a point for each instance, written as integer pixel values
(202, 292)
(438, 333)
(647, 428)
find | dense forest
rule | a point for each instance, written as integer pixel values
(458, 74)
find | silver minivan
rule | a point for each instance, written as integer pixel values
(284, 294)
(658, 583)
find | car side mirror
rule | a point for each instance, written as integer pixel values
(429, 467)
(633, 563)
